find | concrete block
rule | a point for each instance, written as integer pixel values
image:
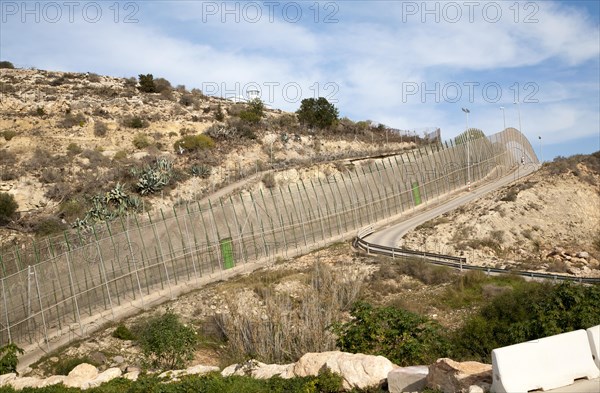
(594, 338)
(547, 363)
(407, 379)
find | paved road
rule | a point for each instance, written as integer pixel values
(391, 236)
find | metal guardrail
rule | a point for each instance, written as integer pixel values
(453, 261)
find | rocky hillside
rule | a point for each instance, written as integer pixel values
(66, 138)
(550, 221)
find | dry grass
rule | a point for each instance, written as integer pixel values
(286, 328)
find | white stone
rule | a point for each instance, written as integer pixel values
(105, 376)
(450, 376)
(546, 363)
(357, 370)
(53, 380)
(132, 375)
(476, 389)
(407, 379)
(80, 375)
(25, 382)
(6, 378)
(200, 369)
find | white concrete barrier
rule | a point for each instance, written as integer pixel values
(547, 363)
(594, 338)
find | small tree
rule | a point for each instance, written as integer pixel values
(8, 207)
(147, 83)
(318, 113)
(254, 112)
(166, 342)
(8, 358)
(6, 64)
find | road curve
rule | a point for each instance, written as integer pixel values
(391, 236)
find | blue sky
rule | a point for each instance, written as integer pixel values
(407, 64)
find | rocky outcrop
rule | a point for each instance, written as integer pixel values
(357, 370)
(80, 375)
(450, 376)
(260, 370)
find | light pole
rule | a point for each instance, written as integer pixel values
(503, 117)
(468, 149)
(521, 131)
(541, 151)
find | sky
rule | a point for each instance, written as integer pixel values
(410, 65)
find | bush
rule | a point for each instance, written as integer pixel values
(8, 358)
(8, 207)
(318, 113)
(528, 313)
(141, 141)
(403, 337)
(48, 225)
(268, 180)
(6, 64)
(9, 134)
(219, 115)
(201, 171)
(74, 149)
(166, 342)
(71, 120)
(123, 333)
(135, 122)
(194, 142)
(254, 112)
(147, 83)
(100, 128)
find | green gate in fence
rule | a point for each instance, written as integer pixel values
(227, 253)
(416, 193)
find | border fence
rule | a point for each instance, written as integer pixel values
(58, 291)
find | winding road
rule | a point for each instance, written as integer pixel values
(390, 236)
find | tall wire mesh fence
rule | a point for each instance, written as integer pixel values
(60, 290)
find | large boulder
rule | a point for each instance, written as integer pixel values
(105, 376)
(80, 375)
(407, 379)
(453, 377)
(256, 369)
(6, 378)
(52, 380)
(357, 370)
(25, 382)
(200, 369)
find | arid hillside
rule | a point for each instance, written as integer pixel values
(549, 221)
(75, 148)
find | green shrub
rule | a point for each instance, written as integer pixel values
(48, 225)
(135, 122)
(166, 342)
(123, 333)
(147, 83)
(141, 141)
(201, 171)
(403, 337)
(318, 113)
(6, 64)
(9, 134)
(39, 111)
(194, 142)
(219, 115)
(153, 178)
(65, 365)
(71, 120)
(74, 149)
(8, 207)
(527, 313)
(8, 358)
(120, 155)
(254, 112)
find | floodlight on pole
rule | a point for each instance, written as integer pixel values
(468, 149)
(503, 116)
